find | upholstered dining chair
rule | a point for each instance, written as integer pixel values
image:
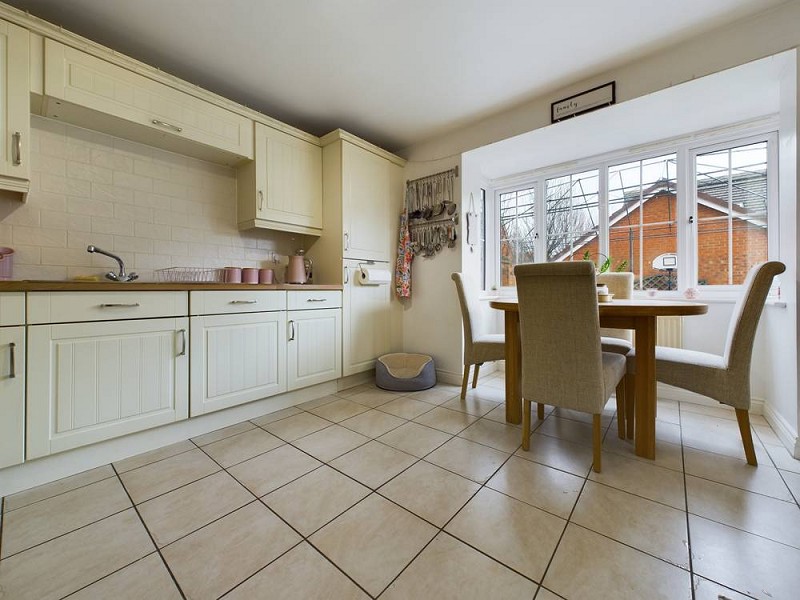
(562, 361)
(620, 341)
(479, 347)
(725, 378)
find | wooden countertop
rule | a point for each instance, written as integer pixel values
(148, 286)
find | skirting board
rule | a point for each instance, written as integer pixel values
(785, 432)
(50, 468)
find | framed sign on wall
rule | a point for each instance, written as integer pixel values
(572, 106)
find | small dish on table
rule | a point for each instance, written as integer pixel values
(605, 297)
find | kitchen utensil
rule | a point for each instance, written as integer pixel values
(299, 268)
(249, 275)
(266, 276)
(233, 275)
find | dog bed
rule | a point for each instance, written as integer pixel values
(403, 372)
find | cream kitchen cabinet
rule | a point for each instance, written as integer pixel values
(367, 317)
(314, 338)
(105, 378)
(282, 188)
(239, 357)
(90, 92)
(14, 108)
(12, 378)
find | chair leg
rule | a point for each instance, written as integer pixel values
(475, 376)
(621, 409)
(597, 440)
(630, 405)
(743, 418)
(526, 424)
(464, 382)
(540, 411)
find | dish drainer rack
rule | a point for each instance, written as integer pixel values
(188, 274)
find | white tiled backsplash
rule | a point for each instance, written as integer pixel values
(154, 208)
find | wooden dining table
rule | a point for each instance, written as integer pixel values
(637, 314)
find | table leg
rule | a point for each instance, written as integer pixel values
(645, 419)
(513, 368)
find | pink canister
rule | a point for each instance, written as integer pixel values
(6, 263)
(233, 275)
(249, 275)
(266, 276)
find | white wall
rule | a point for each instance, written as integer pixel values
(770, 32)
(154, 208)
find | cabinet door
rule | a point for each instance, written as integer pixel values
(366, 193)
(96, 381)
(367, 320)
(288, 179)
(315, 346)
(12, 395)
(14, 103)
(237, 359)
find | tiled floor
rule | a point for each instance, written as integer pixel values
(374, 494)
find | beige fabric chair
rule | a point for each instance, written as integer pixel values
(479, 347)
(725, 378)
(620, 341)
(562, 362)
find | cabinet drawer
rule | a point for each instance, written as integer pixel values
(70, 307)
(312, 299)
(12, 308)
(224, 302)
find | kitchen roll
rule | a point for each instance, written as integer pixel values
(372, 276)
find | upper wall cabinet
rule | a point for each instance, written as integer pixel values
(282, 188)
(90, 92)
(14, 108)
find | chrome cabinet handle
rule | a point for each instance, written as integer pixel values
(120, 305)
(12, 363)
(291, 328)
(317, 300)
(346, 275)
(168, 125)
(244, 302)
(183, 342)
(260, 199)
(17, 137)
(346, 241)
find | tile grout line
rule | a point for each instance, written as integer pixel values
(10, 510)
(107, 575)
(774, 464)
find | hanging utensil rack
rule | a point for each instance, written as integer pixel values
(432, 215)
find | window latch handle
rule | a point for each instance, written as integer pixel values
(691, 219)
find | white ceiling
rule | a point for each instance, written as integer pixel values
(396, 72)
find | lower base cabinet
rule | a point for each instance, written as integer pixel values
(236, 359)
(315, 346)
(12, 396)
(96, 381)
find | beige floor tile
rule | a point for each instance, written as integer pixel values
(763, 479)
(646, 525)
(374, 463)
(373, 423)
(356, 389)
(70, 562)
(444, 419)
(582, 417)
(146, 578)
(793, 481)
(415, 439)
(668, 411)
(610, 570)
(471, 405)
(270, 471)
(165, 475)
(296, 426)
(474, 461)
(710, 590)
(748, 563)
(669, 456)
(712, 434)
(560, 454)
(499, 436)
(330, 442)
(720, 411)
(373, 397)
(487, 393)
(642, 479)
(433, 395)
(665, 432)
(211, 561)
(430, 492)
(448, 570)
(221, 434)
(498, 415)
(405, 408)
(317, 402)
(276, 416)
(237, 448)
(300, 573)
(315, 499)
(767, 435)
(567, 429)
(182, 511)
(774, 519)
(339, 410)
(541, 486)
(516, 534)
(140, 460)
(373, 541)
(48, 490)
(55, 516)
(782, 459)
(545, 594)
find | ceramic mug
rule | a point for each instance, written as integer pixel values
(249, 275)
(233, 275)
(266, 276)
